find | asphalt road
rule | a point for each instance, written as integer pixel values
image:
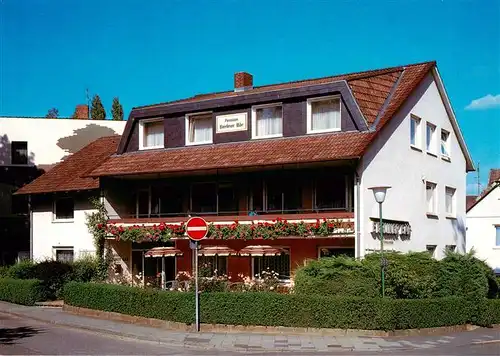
(19, 336)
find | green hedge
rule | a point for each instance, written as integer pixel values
(273, 309)
(21, 291)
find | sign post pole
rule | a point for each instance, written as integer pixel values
(196, 229)
(197, 294)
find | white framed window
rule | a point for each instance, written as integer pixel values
(151, 134)
(199, 128)
(430, 138)
(415, 131)
(280, 264)
(451, 248)
(63, 209)
(267, 121)
(445, 144)
(497, 235)
(450, 201)
(431, 249)
(430, 191)
(323, 114)
(64, 254)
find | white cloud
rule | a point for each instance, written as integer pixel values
(486, 102)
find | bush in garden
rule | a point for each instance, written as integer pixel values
(4, 271)
(54, 275)
(462, 276)
(85, 269)
(407, 276)
(339, 276)
(24, 269)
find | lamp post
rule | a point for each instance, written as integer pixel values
(379, 194)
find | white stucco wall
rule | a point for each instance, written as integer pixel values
(44, 136)
(49, 234)
(481, 234)
(391, 161)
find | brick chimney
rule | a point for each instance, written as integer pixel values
(243, 81)
(81, 112)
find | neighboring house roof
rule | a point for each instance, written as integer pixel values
(293, 150)
(494, 176)
(493, 183)
(70, 174)
(470, 201)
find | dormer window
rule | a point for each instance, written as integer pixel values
(323, 114)
(267, 121)
(151, 134)
(199, 128)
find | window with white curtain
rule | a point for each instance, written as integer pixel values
(151, 135)
(323, 114)
(267, 121)
(199, 129)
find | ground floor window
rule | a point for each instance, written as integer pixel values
(64, 254)
(335, 251)
(431, 249)
(211, 265)
(278, 263)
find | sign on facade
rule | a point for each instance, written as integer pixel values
(231, 122)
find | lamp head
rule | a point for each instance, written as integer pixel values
(379, 193)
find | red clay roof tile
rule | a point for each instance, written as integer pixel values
(303, 149)
(70, 174)
(494, 176)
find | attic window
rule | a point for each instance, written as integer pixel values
(323, 114)
(199, 128)
(151, 134)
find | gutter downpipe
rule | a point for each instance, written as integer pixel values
(357, 214)
(31, 226)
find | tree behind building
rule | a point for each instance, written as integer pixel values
(97, 111)
(117, 110)
(52, 113)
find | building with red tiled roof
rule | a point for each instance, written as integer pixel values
(30, 146)
(483, 223)
(291, 163)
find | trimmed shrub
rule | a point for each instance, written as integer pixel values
(21, 291)
(273, 309)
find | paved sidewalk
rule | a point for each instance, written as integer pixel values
(250, 342)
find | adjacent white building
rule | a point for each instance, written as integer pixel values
(483, 223)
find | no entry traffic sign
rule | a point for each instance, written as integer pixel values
(197, 228)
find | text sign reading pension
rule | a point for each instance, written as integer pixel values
(231, 122)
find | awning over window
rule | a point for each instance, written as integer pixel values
(216, 251)
(261, 250)
(163, 252)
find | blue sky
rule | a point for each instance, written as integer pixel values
(51, 51)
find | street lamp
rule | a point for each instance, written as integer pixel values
(379, 194)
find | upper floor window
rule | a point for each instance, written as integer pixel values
(431, 198)
(497, 236)
(151, 134)
(199, 129)
(64, 209)
(415, 131)
(323, 114)
(19, 152)
(450, 201)
(431, 138)
(267, 121)
(445, 143)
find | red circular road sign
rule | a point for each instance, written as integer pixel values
(197, 228)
